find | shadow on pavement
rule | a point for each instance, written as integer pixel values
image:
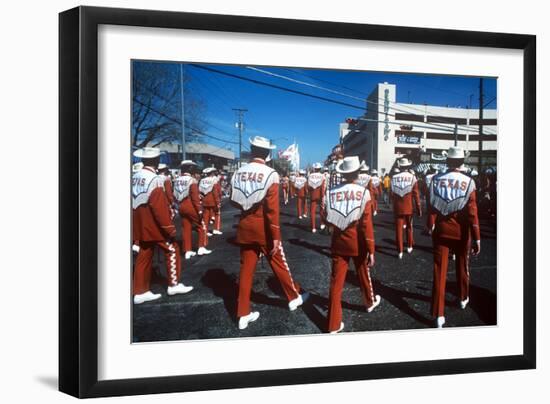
(303, 225)
(323, 250)
(482, 301)
(224, 286)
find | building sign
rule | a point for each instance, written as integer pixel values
(408, 136)
(405, 139)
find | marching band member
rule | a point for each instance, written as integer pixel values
(255, 190)
(210, 196)
(365, 180)
(453, 222)
(427, 181)
(349, 213)
(218, 209)
(284, 186)
(315, 189)
(165, 175)
(186, 192)
(292, 189)
(301, 192)
(136, 168)
(153, 227)
(404, 191)
(376, 189)
(326, 174)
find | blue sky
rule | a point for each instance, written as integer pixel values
(285, 117)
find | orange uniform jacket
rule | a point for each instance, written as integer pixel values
(458, 224)
(218, 190)
(152, 221)
(168, 190)
(260, 224)
(212, 199)
(302, 192)
(315, 194)
(192, 204)
(357, 238)
(404, 205)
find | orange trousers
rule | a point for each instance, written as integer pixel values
(249, 258)
(189, 222)
(144, 264)
(218, 219)
(209, 214)
(340, 266)
(441, 248)
(400, 221)
(313, 213)
(301, 203)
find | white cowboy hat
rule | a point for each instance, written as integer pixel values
(162, 166)
(404, 162)
(207, 170)
(262, 143)
(456, 152)
(325, 168)
(374, 171)
(137, 166)
(348, 165)
(396, 170)
(317, 166)
(147, 152)
(474, 173)
(302, 171)
(188, 163)
(364, 167)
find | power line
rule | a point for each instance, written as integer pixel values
(341, 94)
(177, 121)
(263, 83)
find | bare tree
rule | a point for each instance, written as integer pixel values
(156, 105)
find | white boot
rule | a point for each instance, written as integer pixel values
(375, 213)
(400, 255)
(339, 329)
(323, 227)
(295, 303)
(464, 303)
(314, 230)
(217, 232)
(243, 321)
(180, 288)
(146, 297)
(377, 301)
(135, 248)
(209, 235)
(409, 250)
(189, 254)
(203, 251)
(439, 322)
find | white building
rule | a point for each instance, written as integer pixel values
(389, 130)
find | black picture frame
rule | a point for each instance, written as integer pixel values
(78, 206)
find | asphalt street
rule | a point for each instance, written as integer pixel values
(209, 311)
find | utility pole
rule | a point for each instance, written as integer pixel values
(182, 114)
(240, 114)
(480, 157)
(456, 134)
